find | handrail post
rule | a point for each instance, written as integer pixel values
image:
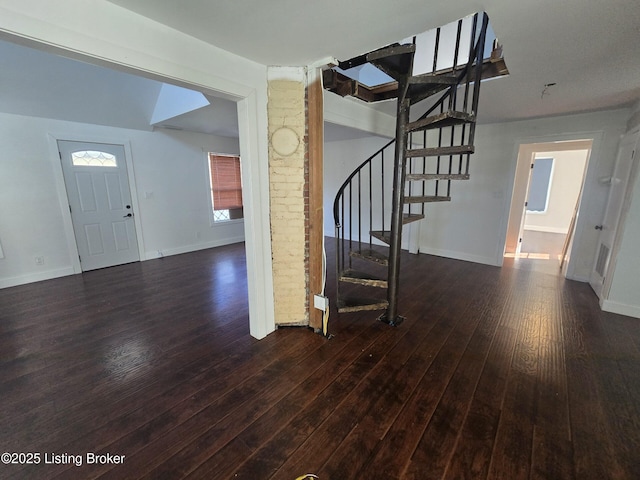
(397, 205)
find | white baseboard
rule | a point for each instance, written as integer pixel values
(460, 256)
(621, 308)
(536, 228)
(35, 277)
(63, 272)
(192, 248)
(578, 278)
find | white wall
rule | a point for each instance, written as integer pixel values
(340, 159)
(568, 169)
(356, 114)
(170, 169)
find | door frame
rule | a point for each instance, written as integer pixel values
(523, 151)
(63, 197)
(552, 148)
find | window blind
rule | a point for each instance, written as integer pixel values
(226, 182)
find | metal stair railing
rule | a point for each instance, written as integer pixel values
(370, 174)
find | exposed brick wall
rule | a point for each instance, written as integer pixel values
(288, 178)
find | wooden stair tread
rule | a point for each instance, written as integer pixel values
(411, 217)
(385, 236)
(417, 177)
(362, 278)
(395, 61)
(439, 151)
(382, 235)
(391, 51)
(420, 91)
(433, 79)
(384, 52)
(441, 120)
(342, 85)
(357, 304)
(371, 255)
(427, 199)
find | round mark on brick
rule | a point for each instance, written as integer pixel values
(285, 141)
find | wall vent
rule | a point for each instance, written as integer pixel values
(603, 256)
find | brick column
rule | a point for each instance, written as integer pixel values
(289, 194)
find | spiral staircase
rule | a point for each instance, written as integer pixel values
(431, 149)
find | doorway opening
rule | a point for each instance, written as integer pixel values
(126, 104)
(545, 204)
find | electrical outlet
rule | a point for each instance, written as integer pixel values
(320, 302)
(39, 260)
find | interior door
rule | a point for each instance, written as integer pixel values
(611, 221)
(100, 202)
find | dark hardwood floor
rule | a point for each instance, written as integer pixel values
(498, 373)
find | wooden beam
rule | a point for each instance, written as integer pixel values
(316, 217)
(342, 85)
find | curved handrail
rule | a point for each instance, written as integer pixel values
(341, 190)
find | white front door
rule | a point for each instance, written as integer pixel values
(611, 221)
(100, 202)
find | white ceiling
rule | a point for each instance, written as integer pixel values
(589, 48)
(39, 84)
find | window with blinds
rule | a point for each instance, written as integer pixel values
(226, 187)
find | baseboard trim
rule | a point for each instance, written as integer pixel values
(35, 277)
(621, 308)
(460, 256)
(150, 255)
(66, 271)
(578, 278)
(536, 228)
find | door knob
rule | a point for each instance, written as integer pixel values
(128, 215)
(598, 227)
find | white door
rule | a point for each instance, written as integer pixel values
(611, 221)
(100, 202)
(523, 217)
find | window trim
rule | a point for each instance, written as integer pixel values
(212, 221)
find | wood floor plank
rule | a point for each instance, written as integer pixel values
(497, 373)
(471, 456)
(134, 421)
(406, 431)
(513, 445)
(346, 411)
(273, 454)
(233, 425)
(353, 453)
(432, 454)
(212, 421)
(595, 455)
